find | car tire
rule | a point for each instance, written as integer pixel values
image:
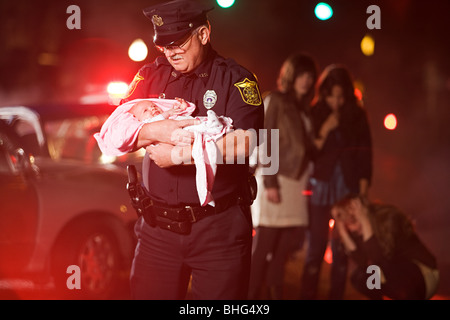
(86, 262)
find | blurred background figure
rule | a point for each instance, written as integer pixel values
(283, 206)
(383, 236)
(342, 164)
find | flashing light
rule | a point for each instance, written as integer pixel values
(138, 50)
(117, 88)
(390, 121)
(116, 91)
(331, 223)
(105, 159)
(323, 11)
(367, 45)
(225, 3)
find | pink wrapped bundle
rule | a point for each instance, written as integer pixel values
(204, 150)
(126, 126)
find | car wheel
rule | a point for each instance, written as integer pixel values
(92, 255)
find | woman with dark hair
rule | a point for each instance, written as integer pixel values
(282, 205)
(342, 164)
(380, 235)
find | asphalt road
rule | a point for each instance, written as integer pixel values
(22, 289)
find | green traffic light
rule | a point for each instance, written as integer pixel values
(225, 3)
(323, 11)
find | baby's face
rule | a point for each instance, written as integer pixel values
(151, 111)
(145, 109)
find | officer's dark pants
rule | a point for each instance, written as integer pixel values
(216, 253)
(318, 236)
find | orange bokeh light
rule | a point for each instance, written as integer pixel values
(390, 121)
(358, 94)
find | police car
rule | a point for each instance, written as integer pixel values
(66, 216)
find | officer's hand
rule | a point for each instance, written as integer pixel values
(166, 131)
(178, 136)
(166, 155)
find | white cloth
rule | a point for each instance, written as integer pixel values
(204, 152)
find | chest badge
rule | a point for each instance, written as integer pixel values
(209, 99)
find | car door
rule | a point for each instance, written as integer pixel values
(18, 205)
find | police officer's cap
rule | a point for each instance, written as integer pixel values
(174, 20)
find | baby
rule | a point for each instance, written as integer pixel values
(129, 118)
(147, 111)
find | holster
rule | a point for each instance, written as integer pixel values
(250, 189)
(139, 200)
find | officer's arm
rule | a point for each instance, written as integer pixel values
(235, 147)
(165, 131)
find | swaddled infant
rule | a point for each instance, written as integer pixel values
(147, 111)
(129, 118)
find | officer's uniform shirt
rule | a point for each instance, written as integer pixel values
(219, 84)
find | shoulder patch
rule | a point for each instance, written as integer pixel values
(133, 85)
(249, 92)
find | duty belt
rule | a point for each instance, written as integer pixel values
(176, 219)
(180, 219)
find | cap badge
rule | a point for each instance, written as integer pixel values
(249, 92)
(157, 20)
(209, 99)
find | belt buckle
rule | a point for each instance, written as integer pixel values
(191, 211)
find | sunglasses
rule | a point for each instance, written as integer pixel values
(176, 47)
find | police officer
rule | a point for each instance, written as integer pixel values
(179, 240)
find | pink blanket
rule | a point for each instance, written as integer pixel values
(119, 133)
(126, 126)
